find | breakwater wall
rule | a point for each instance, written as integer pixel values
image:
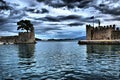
(102, 42)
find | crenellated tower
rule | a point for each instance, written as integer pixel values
(89, 32)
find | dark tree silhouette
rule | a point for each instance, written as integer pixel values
(25, 25)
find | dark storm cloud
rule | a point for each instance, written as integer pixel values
(78, 3)
(2, 21)
(60, 18)
(8, 27)
(42, 11)
(77, 20)
(75, 24)
(116, 18)
(106, 10)
(113, 19)
(46, 29)
(4, 5)
(52, 28)
(51, 18)
(84, 3)
(69, 17)
(68, 3)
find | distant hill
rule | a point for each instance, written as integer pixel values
(78, 38)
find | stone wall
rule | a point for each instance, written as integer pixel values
(99, 34)
(89, 32)
(8, 39)
(115, 34)
(108, 32)
(23, 37)
(26, 37)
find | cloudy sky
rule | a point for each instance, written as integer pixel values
(57, 18)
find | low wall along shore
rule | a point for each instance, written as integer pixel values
(99, 42)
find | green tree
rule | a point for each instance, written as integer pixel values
(25, 25)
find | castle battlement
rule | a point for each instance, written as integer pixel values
(108, 32)
(103, 27)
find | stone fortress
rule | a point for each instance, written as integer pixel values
(109, 32)
(22, 37)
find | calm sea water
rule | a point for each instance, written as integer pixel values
(59, 61)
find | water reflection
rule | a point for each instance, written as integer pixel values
(26, 59)
(104, 60)
(59, 61)
(26, 50)
(102, 48)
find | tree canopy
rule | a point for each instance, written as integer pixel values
(25, 25)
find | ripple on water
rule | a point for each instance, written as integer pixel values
(62, 61)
